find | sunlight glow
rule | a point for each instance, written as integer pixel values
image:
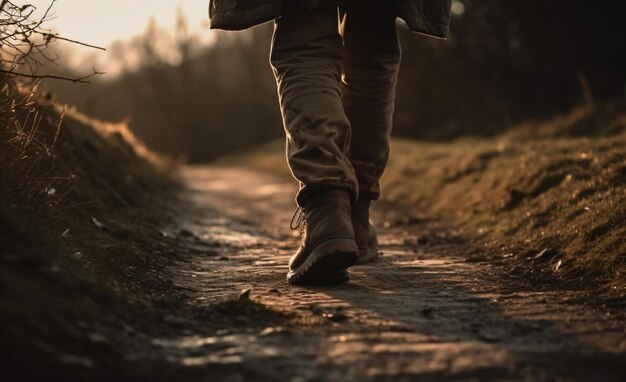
(102, 22)
(116, 25)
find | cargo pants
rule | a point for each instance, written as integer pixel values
(336, 79)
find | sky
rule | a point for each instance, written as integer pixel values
(100, 22)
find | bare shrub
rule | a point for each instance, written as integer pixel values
(29, 125)
(24, 43)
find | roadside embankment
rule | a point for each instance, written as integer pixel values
(548, 198)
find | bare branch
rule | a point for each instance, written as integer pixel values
(82, 80)
(56, 37)
(24, 42)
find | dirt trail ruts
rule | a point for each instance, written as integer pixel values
(420, 312)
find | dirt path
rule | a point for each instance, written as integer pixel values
(421, 312)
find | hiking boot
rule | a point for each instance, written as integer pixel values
(364, 232)
(328, 247)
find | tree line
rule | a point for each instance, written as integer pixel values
(504, 62)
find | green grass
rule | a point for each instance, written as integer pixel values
(557, 185)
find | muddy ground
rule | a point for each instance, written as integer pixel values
(434, 306)
(428, 309)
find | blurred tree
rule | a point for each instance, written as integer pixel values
(510, 60)
(504, 62)
(186, 101)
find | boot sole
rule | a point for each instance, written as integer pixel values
(326, 264)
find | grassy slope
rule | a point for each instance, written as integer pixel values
(72, 257)
(87, 232)
(557, 185)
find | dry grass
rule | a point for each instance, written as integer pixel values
(566, 195)
(81, 207)
(41, 165)
(555, 188)
(25, 150)
(91, 185)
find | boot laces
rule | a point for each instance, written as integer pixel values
(297, 218)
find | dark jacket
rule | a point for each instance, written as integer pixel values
(430, 17)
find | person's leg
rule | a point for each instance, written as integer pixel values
(306, 57)
(372, 60)
(307, 53)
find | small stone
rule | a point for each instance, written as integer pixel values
(336, 317)
(271, 330)
(244, 295)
